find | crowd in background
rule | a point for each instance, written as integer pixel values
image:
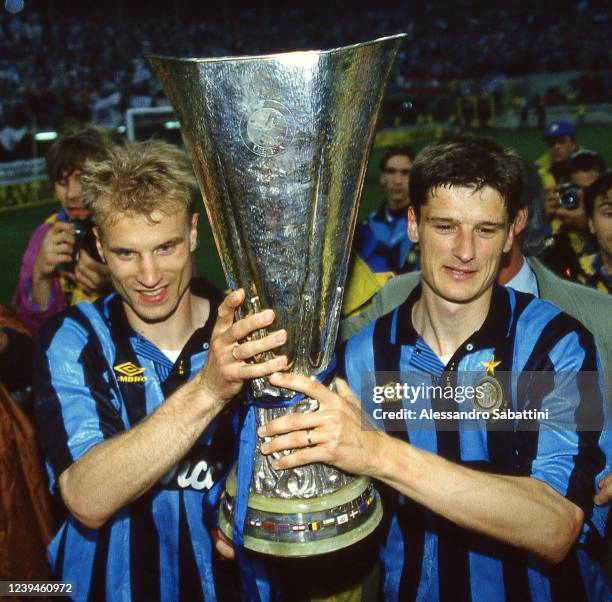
(87, 63)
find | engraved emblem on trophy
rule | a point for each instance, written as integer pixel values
(280, 145)
(268, 129)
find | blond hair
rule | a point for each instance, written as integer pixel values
(139, 178)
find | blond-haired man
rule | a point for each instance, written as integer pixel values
(133, 392)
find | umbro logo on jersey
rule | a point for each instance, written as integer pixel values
(130, 373)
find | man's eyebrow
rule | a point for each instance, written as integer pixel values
(447, 220)
(172, 241)
(120, 249)
(492, 224)
(434, 218)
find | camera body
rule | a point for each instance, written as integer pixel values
(83, 239)
(569, 195)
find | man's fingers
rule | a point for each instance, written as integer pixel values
(604, 496)
(250, 349)
(62, 238)
(303, 384)
(61, 227)
(291, 423)
(230, 304)
(306, 437)
(300, 457)
(345, 391)
(606, 481)
(223, 545)
(59, 257)
(243, 328)
(84, 281)
(250, 371)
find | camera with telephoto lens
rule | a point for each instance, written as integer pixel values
(569, 196)
(83, 239)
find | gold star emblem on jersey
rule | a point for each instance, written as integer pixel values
(491, 365)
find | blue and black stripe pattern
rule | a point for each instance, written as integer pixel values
(97, 378)
(383, 241)
(425, 556)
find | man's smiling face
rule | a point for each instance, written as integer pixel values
(149, 258)
(462, 233)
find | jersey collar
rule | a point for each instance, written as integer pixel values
(494, 329)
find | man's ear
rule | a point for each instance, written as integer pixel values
(591, 227)
(193, 234)
(520, 221)
(516, 227)
(413, 226)
(96, 232)
(510, 238)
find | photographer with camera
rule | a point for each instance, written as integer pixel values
(61, 265)
(581, 170)
(560, 138)
(570, 241)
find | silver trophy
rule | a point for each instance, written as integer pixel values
(280, 145)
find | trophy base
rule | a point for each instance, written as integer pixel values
(304, 527)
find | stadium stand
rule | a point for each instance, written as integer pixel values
(73, 71)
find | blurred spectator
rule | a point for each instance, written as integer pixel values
(60, 266)
(560, 136)
(382, 242)
(25, 509)
(15, 359)
(598, 209)
(68, 43)
(570, 240)
(580, 171)
(538, 105)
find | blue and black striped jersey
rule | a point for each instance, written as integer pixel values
(425, 556)
(382, 242)
(96, 378)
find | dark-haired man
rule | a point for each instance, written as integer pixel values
(382, 241)
(479, 508)
(598, 209)
(50, 279)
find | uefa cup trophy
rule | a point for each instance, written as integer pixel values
(280, 145)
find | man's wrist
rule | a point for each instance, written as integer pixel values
(39, 275)
(193, 405)
(397, 461)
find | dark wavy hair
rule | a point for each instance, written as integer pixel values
(467, 161)
(533, 238)
(598, 188)
(73, 148)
